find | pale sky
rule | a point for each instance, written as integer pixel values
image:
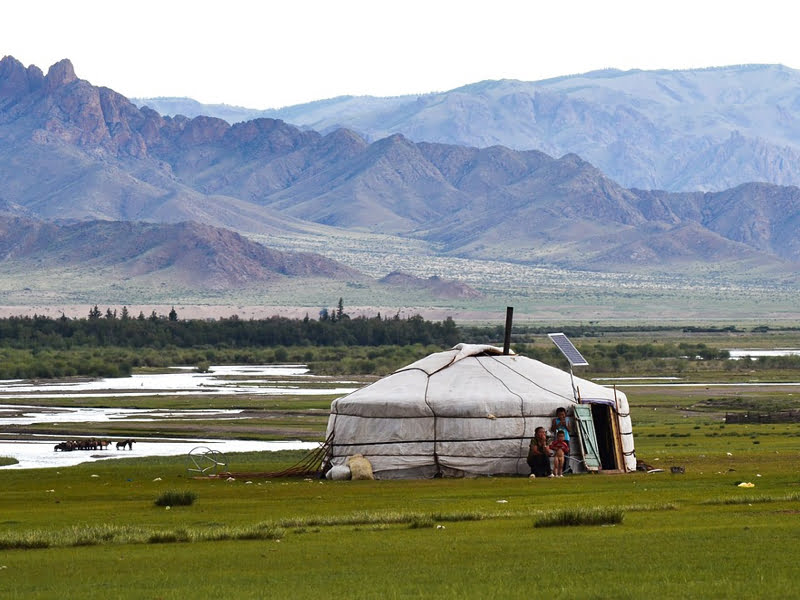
(268, 54)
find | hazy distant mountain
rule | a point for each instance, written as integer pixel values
(706, 129)
(69, 150)
(171, 106)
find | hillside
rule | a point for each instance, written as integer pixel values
(187, 254)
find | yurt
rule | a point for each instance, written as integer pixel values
(472, 411)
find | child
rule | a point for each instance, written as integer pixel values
(562, 423)
(560, 450)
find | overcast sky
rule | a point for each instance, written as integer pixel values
(267, 54)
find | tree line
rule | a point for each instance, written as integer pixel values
(123, 331)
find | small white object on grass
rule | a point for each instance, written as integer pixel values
(157, 479)
(502, 501)
(94, 475)
(168, 507)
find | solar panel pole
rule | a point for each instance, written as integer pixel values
(572, 383)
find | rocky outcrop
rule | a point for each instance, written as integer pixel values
(16, 81)
(434, 285)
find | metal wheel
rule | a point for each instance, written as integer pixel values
(206, 461)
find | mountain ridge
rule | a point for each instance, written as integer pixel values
(69, 150)
(656, 129)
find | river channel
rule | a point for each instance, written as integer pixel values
(266, 380)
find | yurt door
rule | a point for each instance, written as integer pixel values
(586, 434)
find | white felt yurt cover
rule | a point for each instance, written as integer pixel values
(466, 411)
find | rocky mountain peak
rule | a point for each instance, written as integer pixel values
(16, 80)
(60, 74)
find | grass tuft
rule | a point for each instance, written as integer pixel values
(648, 507)
(169, 537)
(753, 499)
(421, 522)
(176, 498)
(24, 541)
(260, 533)
(580, 516)
(383, 518)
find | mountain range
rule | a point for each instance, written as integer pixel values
(72, 153)
(682, 130)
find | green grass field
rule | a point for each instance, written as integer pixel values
(95, 530)
(697, 534)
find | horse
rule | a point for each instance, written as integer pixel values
(121, 445)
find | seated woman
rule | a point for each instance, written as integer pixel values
(539, 454)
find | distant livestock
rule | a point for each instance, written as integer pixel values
(82, 444)
(121, 445)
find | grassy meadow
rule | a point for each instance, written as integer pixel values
(96, 528)
(103, 529)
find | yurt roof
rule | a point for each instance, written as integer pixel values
(470, 380)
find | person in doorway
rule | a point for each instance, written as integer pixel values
(539, 454)
(560, 450)
(562, 423)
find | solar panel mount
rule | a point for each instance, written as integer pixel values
(568, 349)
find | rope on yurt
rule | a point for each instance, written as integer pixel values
(528, 379)
(521, 409)
(433, 412)
(309, 466)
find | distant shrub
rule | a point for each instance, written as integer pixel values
(176, 498)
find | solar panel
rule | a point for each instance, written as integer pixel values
(567, 349)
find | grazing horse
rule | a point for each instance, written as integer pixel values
(121, 445)
(67, 446)
(103, 444)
